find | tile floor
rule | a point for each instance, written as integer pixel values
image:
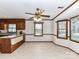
(40, 50)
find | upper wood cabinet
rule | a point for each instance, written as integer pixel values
(20, 23)
(1, 25)
(2, 22)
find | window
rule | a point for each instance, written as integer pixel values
(62, 29)
(74, 29)
(38, 28)
(12, 28)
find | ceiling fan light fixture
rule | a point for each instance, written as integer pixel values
(37, 19)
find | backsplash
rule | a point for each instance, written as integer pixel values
(3, 31)
(18, 31)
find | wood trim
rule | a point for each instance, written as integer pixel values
(54, 35)
(65, 9)
(65, 47)
(57, 28)
(70, 29)
(62, 20)
(74, 16)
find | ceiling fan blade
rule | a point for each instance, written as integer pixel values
(46, 19)
(29, 13)
(31, 18)
(45, 15)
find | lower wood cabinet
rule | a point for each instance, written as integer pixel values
(6, 45)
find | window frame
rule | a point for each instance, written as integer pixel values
(66, 25)
(8, 28)
(35, 29)
(71, 30)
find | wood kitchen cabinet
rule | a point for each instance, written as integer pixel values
(1, 25)
(2, 22)
(20, 23)
(9, 44)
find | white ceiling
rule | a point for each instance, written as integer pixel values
(71, 12)
(17, 8)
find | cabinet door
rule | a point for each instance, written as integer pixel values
(6, 46)
(1, 25)
(20, 25)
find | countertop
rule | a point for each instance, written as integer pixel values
(4, 34)
(10, 36)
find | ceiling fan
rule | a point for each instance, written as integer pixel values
(38, 14)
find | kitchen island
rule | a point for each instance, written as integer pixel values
(10, 43)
